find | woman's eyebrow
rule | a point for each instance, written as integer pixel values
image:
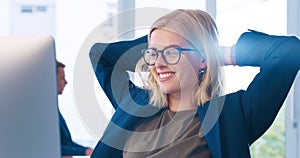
(174, 45)
(171, 45)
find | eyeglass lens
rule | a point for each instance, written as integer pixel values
(170, 55)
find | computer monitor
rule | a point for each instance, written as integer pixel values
(29, 124)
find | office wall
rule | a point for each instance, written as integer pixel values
(74, 21)
(4, 17)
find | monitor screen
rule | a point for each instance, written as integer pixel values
(29, 124)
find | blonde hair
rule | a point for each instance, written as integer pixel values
(200, 30)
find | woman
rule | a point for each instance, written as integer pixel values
(181, 111)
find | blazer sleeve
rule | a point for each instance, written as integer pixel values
(279, 60)
(111, 61)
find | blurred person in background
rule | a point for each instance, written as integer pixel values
(69, 148)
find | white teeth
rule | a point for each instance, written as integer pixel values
(165, 75)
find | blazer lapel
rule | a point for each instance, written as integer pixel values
(209, 116)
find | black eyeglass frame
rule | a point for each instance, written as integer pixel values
(179, 49)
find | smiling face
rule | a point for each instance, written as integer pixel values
(178, 79)
(190, 29)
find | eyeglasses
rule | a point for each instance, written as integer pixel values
(171, 54)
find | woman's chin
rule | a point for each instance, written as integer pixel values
(166, 90)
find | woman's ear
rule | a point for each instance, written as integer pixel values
(202, 72)
(202, 69)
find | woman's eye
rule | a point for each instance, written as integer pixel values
(172, 53)
(150, 53)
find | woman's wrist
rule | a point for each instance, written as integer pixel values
(232, 55)
(228, 55)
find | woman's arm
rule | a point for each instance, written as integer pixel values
(111, 61)
(279, 60)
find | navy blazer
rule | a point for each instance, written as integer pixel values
(231, 123)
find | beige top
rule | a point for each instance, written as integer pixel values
(170, 134)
